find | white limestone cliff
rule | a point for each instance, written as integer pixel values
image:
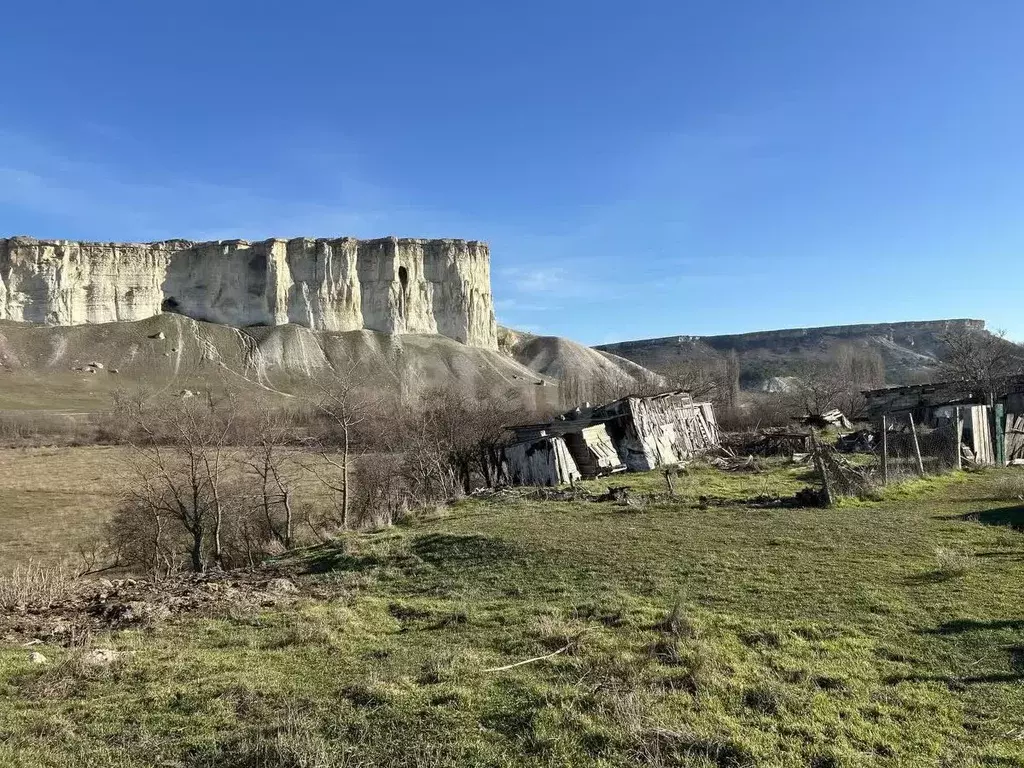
(389, 284)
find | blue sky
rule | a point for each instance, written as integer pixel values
(639, 169)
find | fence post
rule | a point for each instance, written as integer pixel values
(668, 480)
(958, 433)
(819, 463)
(917, 446)
(998, 415)
(885, 450)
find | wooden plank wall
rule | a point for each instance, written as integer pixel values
(544, 462)
(1014, 436)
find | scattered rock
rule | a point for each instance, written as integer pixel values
(114, 370)
(134, 613)
(100, 657)
(186, 393)
(282, 586)
(37, 658)
(97, 366)
(159, 335)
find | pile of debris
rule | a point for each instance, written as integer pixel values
(861, 441)
(736, 464)
(834, 419)
(769, 442)
(838, 476)
(104, 604)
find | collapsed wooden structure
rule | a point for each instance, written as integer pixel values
(632, 433)
(993, 432)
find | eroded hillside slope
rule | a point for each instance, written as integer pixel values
(910, 350)
(78, 368)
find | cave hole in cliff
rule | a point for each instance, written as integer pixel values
(170, 304)
(403, 278)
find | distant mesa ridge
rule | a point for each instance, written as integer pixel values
(394, 285)
(835, 331)
(907, 349)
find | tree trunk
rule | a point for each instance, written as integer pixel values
(197, 550)
(157, 547)
(218, 552)
(344, 478)
(287, 520)
(267, 512)
(485, 467)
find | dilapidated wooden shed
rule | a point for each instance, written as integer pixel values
(989, 423)
(544, 461)
(636, 433)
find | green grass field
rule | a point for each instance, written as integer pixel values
(885, 633)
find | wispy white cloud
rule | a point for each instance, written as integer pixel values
(94, 200)
(531, 280)
(503, 305)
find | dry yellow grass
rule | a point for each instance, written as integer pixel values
(54, 499)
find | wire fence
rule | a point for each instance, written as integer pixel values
(909, 450)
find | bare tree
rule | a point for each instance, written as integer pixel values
(980, 359)
(701, 378)
(347, 407)
(574, 388)
(859, 368)
(820, 389)
(270, 461)
(178, 476)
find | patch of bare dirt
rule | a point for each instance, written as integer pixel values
(131, 603)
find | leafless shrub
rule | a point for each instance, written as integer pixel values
(346, 408)
(28, 428)
(950, 562)
(35, 585)
(178, 486)
(210, 484)
(275, 472)
(382, 498)
(1010, 488)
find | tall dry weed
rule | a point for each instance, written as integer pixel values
(35, 585)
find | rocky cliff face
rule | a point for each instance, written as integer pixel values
(390, 284)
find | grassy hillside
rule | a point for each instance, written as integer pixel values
(884, 634)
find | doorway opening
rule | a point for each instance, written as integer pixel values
(403, 278)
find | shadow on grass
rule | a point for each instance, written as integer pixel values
(464, 550)
(334, 557)
(954, 681)
(974, 625)
(1011, 554)
(1015, 658)
(1012, 517)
